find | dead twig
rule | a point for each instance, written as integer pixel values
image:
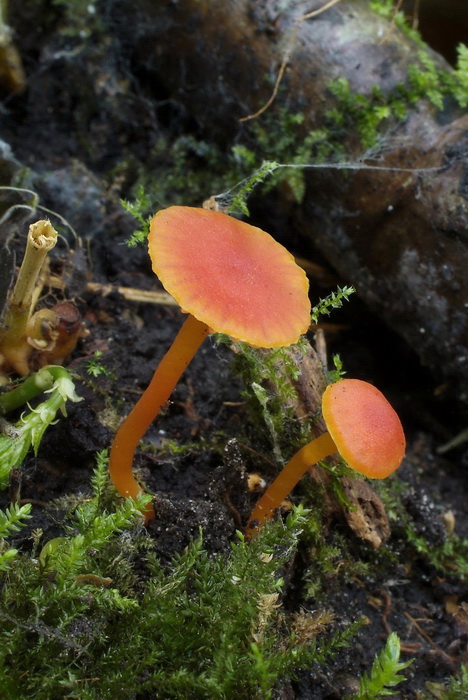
(422, 633)
(392, 23)
(132, 294)
(287, 58)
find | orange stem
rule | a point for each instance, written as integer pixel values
(167, 374)
(284, 483)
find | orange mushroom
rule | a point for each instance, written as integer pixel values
(362, 427)
(230, 278)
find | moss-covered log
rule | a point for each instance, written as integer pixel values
(399, 236)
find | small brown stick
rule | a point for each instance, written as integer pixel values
(419, 629)
(233, 510)
(416, 14)
(258, 454)
(133, 294)
(392, 23)
(404, 647)
(33, 502)
(410, 648)
(287, 57)
(428, 639)
(388, 606)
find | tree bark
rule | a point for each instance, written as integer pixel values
(400, 237)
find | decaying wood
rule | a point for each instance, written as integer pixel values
(399, 232)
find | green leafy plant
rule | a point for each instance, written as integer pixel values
(457, 688)
(366, 112)
(16, 441)
(388, 9)
(11, 521)
(337, 373)
(385, 673)
(239, 194)
(333, 301)
(141, 210)
(458, 80)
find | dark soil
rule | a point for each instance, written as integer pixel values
(50, 128)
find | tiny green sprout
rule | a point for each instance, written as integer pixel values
(139, 209)
(96, 368)
(332, 301)
(385, 672)
(243, 190)
(338, 372)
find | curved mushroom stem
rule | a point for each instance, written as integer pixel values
(284, 483)
(167, 374)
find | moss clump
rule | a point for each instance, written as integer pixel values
(369, 113)
(268, 377)
(331, 561)
(94, 613)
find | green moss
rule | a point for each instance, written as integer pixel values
(280, 136)
(449, 557)
(328, 552)
(97, 615)
(385, 673)
(459, 79)
(95, 367)
(268, 377)
(27, 433)
(183, 171)
(386, 8)
(369, 114)
(455, 689)
(277, 149)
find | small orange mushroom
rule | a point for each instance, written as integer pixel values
(230, 278)
(362, 427)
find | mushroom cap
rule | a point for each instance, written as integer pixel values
(232, 276)
(364, 427)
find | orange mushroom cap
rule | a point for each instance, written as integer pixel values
(230, 275)
(364, 427)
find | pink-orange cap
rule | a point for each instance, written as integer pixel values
(232, 276)
(364, 427)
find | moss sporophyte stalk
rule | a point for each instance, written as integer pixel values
(229, 277)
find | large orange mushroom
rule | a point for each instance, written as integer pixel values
(230, 278)
(362, 426)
